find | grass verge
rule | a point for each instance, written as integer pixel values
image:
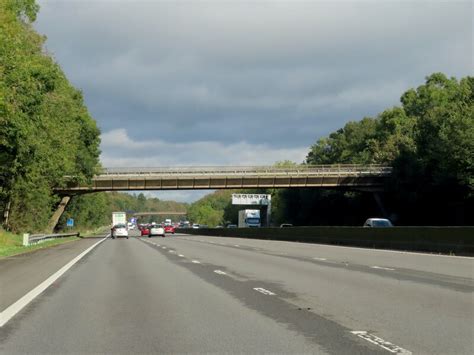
(12, 244)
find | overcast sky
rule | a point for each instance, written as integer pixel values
(245, 82)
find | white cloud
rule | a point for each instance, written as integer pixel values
(119, 150)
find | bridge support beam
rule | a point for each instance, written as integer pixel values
(53, 222)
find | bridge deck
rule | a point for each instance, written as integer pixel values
(194, 178)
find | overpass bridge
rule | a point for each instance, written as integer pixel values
(237, 177)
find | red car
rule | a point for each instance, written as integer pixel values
(144, 231)
(169, 229)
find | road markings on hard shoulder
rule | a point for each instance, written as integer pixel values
(196, 262)
(16, 307)
(382, 268)
(395, 349)
(181, 255)
(220, 272)
(320, 259)
(264, 291)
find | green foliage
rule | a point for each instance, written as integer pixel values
(209, 210)
(95, 210)
(429, 141)
(46, 131)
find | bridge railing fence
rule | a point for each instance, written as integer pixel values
(251, 170)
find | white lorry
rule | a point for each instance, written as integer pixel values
(249, 218)
(119, 218)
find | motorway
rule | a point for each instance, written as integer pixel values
(196, 294)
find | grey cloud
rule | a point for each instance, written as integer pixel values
(280, 74)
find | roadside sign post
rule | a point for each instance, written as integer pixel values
(70, 222)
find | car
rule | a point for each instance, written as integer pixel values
(286, 225)
(378, 223)
(119, 230)
(156, 229)
(196, 226)
(144, 231)
(169, 229)
(232, 226)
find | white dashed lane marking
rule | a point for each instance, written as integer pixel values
(264, 291)
(394, 349)
(196, 262)
(382, 268)
(321, 259)
(163, 247)
(181, 255)
(220, 272)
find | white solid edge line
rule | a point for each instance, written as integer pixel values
(361, 248)
(16, 307)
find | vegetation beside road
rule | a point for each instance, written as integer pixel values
(95, 210)
(12, 244)
(429, 141)
(46, 131)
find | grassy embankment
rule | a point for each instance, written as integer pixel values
(12, 244)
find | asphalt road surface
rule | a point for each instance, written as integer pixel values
(195, 294)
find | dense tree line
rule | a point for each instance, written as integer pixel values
(95, 210)
(428, 140)
(46, 131)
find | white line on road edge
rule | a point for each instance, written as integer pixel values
(196, 262)
(16, 307)
(380, 342)
(181, 255)
(265, 292)
(321, 259)
(382, 268)
(220, 272)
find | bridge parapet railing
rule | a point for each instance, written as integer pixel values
(251, 170)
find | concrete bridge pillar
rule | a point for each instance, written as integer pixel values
(53, 222)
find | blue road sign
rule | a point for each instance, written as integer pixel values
(70, 222)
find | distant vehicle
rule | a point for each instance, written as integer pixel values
(378, 223)
(119, 218)
(218, 227)
(119, 230)
(169, 229)
(144, 231)
(167, 221)
(232, 226)
(156, 230)
(286, 225)
(196, 226)
(249, 219)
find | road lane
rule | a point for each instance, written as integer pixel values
(21, 273)
(425, 312)
(204, 294)
(129, 297)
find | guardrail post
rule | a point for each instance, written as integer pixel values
(26, 239)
